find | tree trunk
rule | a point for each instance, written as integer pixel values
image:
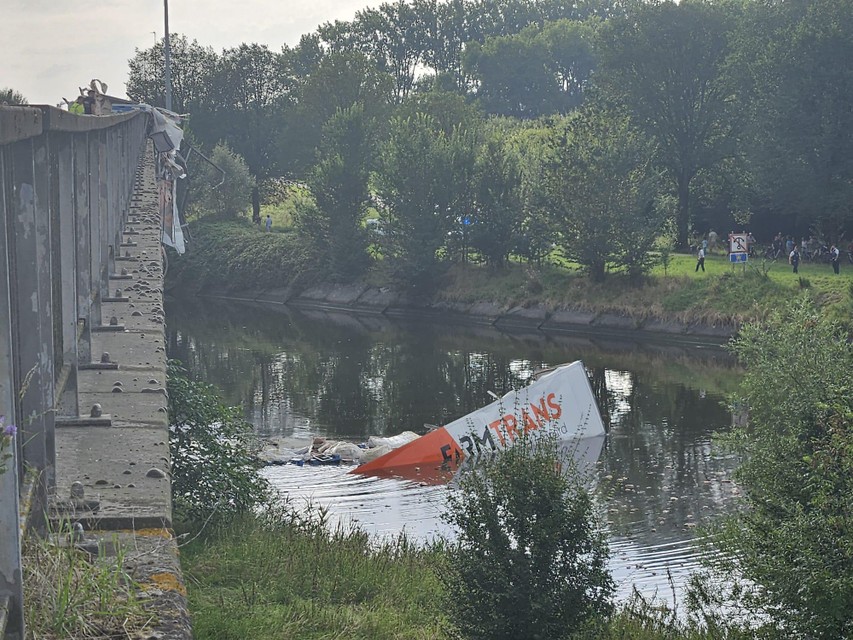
(596, 271)
(256, 204)
(682, 216)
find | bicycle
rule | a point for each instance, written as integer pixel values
(772, 253)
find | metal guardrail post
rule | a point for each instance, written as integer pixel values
(43, 179)
(65, 275)
(26, 324)
(83, 248)
(11, 585)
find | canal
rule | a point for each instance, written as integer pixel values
(345, 376)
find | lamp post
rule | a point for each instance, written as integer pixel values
(167, 51)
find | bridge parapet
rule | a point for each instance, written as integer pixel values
(66, 189)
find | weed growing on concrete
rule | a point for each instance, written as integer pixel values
(74, 592)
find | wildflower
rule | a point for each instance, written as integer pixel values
(7, 432)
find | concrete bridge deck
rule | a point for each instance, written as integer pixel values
(82, 353)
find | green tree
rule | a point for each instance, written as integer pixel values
(538, 226)
(253, 90)
(339, 184)
(12, 98)
(530, 561)
(792, 540)
(496, 223)
(666, 63)
(602, 188)
(538, 71)
(339, 81)
(192, 72)
(232, 197)
(793, 58)
(415, 191)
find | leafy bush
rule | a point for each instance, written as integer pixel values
(792, 539)
(237, 254)
(530, 561)
(232, 197)
(213, 469)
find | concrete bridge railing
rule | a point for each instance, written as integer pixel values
(66, 183)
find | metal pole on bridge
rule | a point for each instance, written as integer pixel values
(167, 50)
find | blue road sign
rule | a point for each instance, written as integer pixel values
(737, 257)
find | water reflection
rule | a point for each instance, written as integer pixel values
(347, 376)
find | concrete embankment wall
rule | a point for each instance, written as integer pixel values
(362, 298)
(82, 352)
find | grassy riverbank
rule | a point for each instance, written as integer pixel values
(284, 576)
(238, 255)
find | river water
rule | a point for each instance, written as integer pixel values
(346, 376)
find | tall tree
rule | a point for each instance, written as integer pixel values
(794, 57)
(192, 73)
(512, 75)
(666, 63)
(538, 226)
(602, 188)
(413, 178)
(253, 91)
(338, 183)
(496, 225)
(539, 71)
(339, 81)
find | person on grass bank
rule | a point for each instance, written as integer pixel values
(794, 258)
(834, 258)
(700, 259)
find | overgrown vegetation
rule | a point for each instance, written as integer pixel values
(790, 542)
(241, 257)
(702, 113)
(214, 473)
(284, 574)
(238, 255)
(530, 559)
(70, 594)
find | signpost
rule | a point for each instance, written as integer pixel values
(738, 249)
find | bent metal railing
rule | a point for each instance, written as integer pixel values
(65, 186)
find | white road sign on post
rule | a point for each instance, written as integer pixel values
(738, 248)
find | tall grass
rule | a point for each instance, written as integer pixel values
(283, 576)
(70, 593)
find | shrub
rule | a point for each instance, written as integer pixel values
(227, 195)
(792, 539)
(213, 469)
(530, 561)
(238, 255)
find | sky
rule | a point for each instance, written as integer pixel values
(49, 48)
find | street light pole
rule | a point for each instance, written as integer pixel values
(167, 50)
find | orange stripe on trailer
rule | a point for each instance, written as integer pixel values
(434, 448)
